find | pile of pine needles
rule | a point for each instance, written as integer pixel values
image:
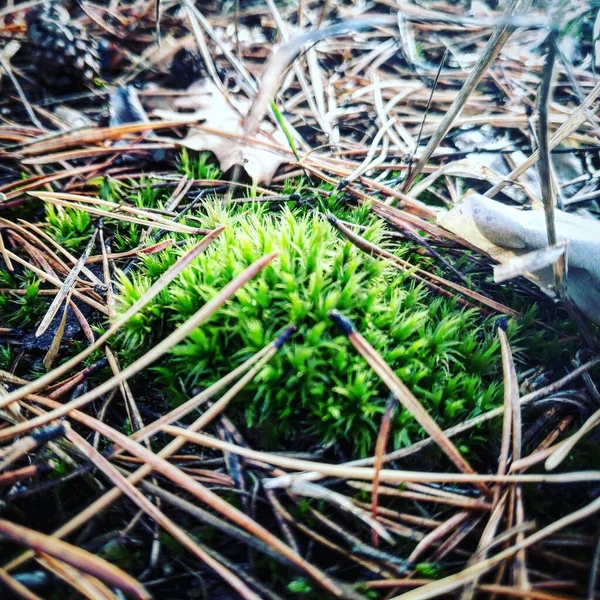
(392, 108)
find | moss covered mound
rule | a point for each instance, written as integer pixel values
(317, 387)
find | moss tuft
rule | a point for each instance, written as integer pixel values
(318, 389)
(69, 228)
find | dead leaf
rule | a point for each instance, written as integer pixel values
(530, 262)
(222, 133)
(505, 233)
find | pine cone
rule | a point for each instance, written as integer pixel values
(63, 55)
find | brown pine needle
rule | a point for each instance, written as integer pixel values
(395, 476)
(82, 560)
(104, 501)
(380, 445)
(404, 395)
(150, 509)
(167, 277)
(152, 355)
(55, 345)
(16, 587)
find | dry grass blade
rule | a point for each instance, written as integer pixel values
(512, 397)
(12, 477)
(502, 590)
(163, 281)
(403, 395)
(575, 120)
(495, 44)
(142, 249)
(511, 393)
(423, 493)
(82, 560)
(507, 423)
(487, 537)
(59, 157)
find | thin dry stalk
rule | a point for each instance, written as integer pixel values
(565, 448)
(495, 44)
(433, 537)
(57, 282)
(12, 477)
(512, 395)
(89, 587)
(16, 587)
(65, 288)
(26, 445)
(575, 120)
(56, 340)
(94, 136)
(312, 490)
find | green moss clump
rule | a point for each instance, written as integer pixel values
(21, 310)
(69, 228)
(317, 388)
